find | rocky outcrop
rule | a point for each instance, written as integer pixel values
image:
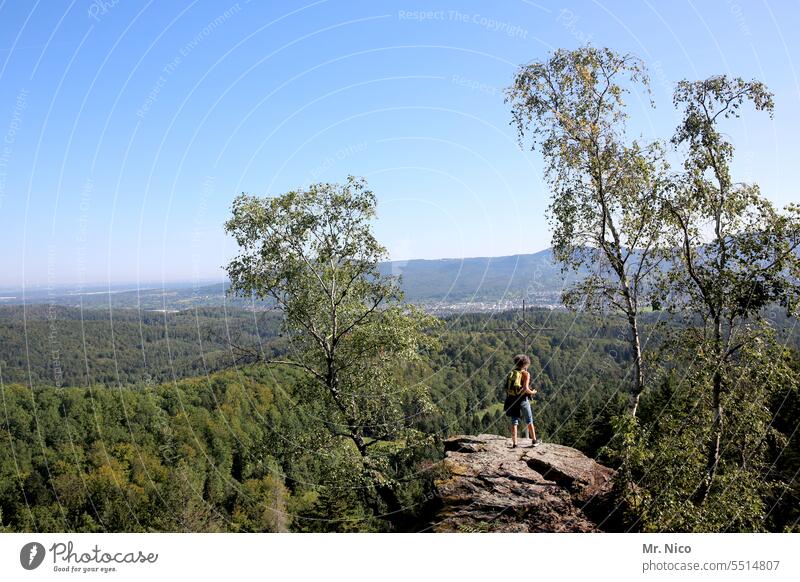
(488, 486)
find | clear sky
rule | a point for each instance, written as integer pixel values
(126, 128)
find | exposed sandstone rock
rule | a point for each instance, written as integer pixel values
(491, 487)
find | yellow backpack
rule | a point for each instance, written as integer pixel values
(514, 383)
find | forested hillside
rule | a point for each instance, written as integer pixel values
(67, 346)
(240, 445)
(245, 450)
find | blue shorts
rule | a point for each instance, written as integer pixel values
(527, 415)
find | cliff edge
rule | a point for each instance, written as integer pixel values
(490, 487)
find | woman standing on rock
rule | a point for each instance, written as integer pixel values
(518, 398)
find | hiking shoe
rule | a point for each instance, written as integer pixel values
(535, 443)
(513, 445)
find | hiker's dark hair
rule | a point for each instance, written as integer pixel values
(521, 360)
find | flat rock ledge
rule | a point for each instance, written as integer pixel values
(490, 487)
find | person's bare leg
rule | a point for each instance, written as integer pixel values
(513, 434)
(532, 432)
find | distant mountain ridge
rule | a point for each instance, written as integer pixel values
(535, 276)
(486, 282)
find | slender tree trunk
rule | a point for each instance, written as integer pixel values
(392, 511)
(637, 382)
(359, 442)
(392, 508)
(715, 307)
(712, 461)
(716, 436)
(638, 373)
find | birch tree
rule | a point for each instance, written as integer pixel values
(605, 209)
(736, 254)
(312, 252)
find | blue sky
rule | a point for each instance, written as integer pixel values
(126, 128)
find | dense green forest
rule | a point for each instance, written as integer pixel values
(46, 344)
(243, 450)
